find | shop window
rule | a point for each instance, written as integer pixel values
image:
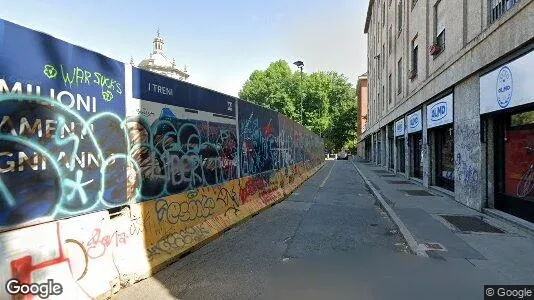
(401, 165)
(416, 149)
(515, 167)
(522, 119)
(445, 157)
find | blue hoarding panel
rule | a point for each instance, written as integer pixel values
(153, 87)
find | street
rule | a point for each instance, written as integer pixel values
(327, 240)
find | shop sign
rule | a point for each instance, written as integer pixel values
(508, 86)
(414, 122)
(399, 127)
(440, 112)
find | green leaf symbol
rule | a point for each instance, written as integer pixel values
(50, 71)
(107, 95)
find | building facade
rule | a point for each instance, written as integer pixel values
(450, 104)
(158, 62)
(363, 111)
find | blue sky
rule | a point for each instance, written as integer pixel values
(221, 42)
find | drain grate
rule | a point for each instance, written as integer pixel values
(471, 224)
(417, 193)
(381, 171)
(388, 175)
(398, 182)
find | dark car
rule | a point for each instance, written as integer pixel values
(342, 155)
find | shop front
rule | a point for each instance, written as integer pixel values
(379, 147)
(399, 145)
(441, 130)
(391, 140)
(507, 97)
(415, 144)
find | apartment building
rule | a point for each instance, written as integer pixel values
(363, 109)
(451, 99)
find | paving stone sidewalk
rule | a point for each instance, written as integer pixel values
(437, 221)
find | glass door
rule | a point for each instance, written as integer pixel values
(445, 157)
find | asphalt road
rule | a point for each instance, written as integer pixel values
(329, 240)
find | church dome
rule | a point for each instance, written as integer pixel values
(158, 62)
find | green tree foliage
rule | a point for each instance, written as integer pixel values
(328, 101)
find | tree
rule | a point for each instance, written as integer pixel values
(274, 88)
(329, 101)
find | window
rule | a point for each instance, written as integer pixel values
(440, 39)
(389, 37)
(389, 88)
(383, 13)
(399, 20)
(415, 50)
(383, 98)
(384, 55)
(399, 76)
(439, 29)
(499, 7)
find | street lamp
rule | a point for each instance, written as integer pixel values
(300, 65)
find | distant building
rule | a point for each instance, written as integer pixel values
(158, 62)
(451, 99)
(363, 109)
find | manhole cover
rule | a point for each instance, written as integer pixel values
(471, 224)
(398, 182)
(388, 175)
(416, 192)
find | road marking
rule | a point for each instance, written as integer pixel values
(324, 181)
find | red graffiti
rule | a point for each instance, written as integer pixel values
(268, 196)
(252, 186)
(267, 129)
(97, 245)
(22, 268)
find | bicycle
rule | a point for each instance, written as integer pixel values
(526, 184)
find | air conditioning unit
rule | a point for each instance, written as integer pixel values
(412, 74)
(434, 49)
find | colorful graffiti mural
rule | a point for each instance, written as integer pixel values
(113, 165)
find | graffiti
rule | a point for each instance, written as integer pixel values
(98, 244)
(176, 155)
(251, 187)
(23, 267)
(229, 199)
(468, 175)
(176, 241)
(80, 76)
(185, 211)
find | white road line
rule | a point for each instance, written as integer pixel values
(324, 181)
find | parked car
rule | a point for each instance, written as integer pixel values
(342, 155)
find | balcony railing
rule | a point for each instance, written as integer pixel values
(499, 7)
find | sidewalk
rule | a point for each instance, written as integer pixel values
(509, 254)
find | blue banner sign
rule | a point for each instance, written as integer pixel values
(153, 87)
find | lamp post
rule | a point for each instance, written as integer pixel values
(300, 65)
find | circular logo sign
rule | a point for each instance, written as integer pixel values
(504, 87)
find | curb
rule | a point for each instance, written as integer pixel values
(408, 236)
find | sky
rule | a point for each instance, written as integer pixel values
(221, 42)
